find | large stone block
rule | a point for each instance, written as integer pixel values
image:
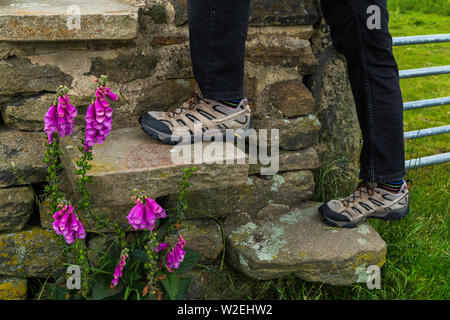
(33, 252)
(13, 288)
(20, 75)
(22, 158)
(294, 134)
(279, 50)
(282, 12)
(130, 159)
(49, 20)
(16, 206)
(288, 188)
(339, 139)
(279, 241)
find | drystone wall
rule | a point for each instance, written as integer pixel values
(270, 225)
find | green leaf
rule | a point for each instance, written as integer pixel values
(172, 285)
(184, 286)
(140, 255)
(102, 290)
(190, 260)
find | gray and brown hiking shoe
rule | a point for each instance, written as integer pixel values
(197, 119)
(367, 201)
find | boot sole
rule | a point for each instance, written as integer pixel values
(391, 216)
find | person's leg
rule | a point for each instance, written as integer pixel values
(217, 35)
(373, 75)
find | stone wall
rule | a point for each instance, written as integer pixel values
(297, 81)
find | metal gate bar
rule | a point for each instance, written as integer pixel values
(424, 72)
(432, 38)
(427, 132)
(427, 161)
(426, 103)
(412, 73)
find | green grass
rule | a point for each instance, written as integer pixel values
(418, 262)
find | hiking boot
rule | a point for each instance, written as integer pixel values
(196, 119)
(368, 201)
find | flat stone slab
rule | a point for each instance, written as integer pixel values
(281, 241)
(56, 20)
(131, 159)
(16, 207)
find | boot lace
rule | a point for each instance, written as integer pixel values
(363, 187)
(190, 104)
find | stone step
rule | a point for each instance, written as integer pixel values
(130, 159)
(278, 241)
(51, 20)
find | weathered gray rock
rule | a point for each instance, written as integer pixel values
(49, 20)
(280, 50)
(124, 68)
(33, 252)
(289, 188)
(294, 134)
(12, 288)
(203, 236)
(180, 7)
(282, 12)
(280, 241)
(291, 97)
(130, 159)
(339, 139)
(22, 158)
(27, 114)
(16, 206)
(20, 75)
(306, 159)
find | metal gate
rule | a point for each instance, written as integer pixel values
(414, 73)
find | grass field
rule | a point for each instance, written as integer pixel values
(418, 261)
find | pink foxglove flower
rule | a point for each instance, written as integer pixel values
(67, 224)
(176, 256)
(119, 268)
(99, 117)
(60, 118)
(161, 246)
(144, 216)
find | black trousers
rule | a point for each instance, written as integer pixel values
(218, 30)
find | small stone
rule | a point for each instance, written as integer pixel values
(180, 7)
(280, 50)
(13, 288)
(294, 134)
(281, 241)
(291, 97)
(33, 252)
(203, 236)
(16, 206)
(282, 12)
(22, 158)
